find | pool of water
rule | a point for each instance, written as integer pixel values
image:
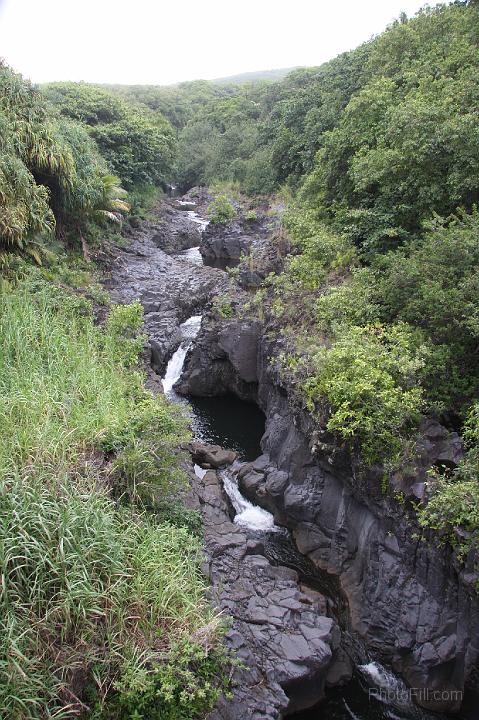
(354, 701)
(229, 422)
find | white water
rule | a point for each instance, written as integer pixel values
(189, 330)
(247, 514)
(391, 689)
(192, 255)
(199, 471)
(198, 220)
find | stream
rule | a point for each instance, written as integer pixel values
(374, 693)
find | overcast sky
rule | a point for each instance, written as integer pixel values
(158, 42)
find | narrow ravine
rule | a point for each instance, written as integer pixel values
(175, 290)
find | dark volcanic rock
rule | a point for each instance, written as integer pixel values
(224, 362)
(212, 456)
(408, 600)
(175, 230)
(287, 646)
(225, 244)
(170, 289)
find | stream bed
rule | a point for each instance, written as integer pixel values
(374, 693)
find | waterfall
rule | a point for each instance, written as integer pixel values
(189, 330)
(197, 219)
(247, 514)
(388, 688)
(193, 255)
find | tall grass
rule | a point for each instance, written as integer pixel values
(88, 584)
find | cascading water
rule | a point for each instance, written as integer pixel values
(372, 693)
(193, 254)
(189, 330)
(202, 222)
(247, 514)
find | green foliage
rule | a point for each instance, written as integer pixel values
(31, 146)
(430, 283)
(366, 385)
(405, 145)
(51, 174)
(178, 103)
(222, 306)
(454, 504)
(137, 143)
(221, 210)
(123, 324)
(175, 513)
(452, 508)
(182, 689)
(88, 585)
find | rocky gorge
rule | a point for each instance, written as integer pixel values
(340, 577)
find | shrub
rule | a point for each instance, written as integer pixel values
(137, 143)
(365, 387)
(221, 210)
(453, 501)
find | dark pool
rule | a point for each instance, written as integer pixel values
(229, 422)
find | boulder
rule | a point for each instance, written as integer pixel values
(211, 456)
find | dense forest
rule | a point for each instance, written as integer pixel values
(376, 156)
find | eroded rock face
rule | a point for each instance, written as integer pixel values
(289, 649)
(175, 231)
(211, 456)
(408, 600)
(223, 362)
(224, 245)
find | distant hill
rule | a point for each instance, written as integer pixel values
(255, 76)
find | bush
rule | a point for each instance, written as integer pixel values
(453, 502)
(365, 388)
(221, 210)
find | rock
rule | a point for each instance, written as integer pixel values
(340, 670)
(404, 596)
(400, 594)
(223, 361)
(285, 645)
(224, 245)
(176, 231)
(212, 456)
(410, 599)
(239, 341)
(170, 289)
(250, 482)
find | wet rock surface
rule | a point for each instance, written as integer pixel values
(169, 288)
(288, 648)
(211, 456)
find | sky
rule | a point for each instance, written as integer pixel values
(156, 42)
